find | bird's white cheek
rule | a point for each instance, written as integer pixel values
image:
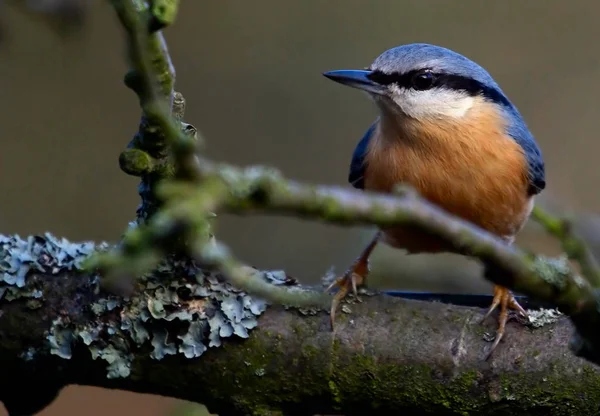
(433, 103)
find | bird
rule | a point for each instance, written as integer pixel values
(446, 129)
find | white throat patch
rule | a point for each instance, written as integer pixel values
(433, 103)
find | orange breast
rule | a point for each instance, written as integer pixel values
(470, 168)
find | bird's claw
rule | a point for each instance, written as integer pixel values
(506, 300)
(350, 280)
(354, 277)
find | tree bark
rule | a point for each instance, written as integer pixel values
(386, 354)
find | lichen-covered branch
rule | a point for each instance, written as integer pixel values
(551, 280)
(152, 78)
(208, 187)
(259, 189)
(184, 333)
(189, 295)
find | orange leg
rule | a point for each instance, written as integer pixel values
(354, 276)
(506, 300)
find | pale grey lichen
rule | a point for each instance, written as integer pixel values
(192, 345)
(43, 254)
(542, 317)
(162, 347)
(28, 354)
(60, 338)
(22, 258)
(180, 291)
(178, 308)
(119, 361)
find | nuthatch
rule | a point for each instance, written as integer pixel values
(445, 128)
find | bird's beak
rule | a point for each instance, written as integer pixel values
(356, 78)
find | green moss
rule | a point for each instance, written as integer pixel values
(392, 386)
(480, 330)
(309, 352)
(265, 411)
(341, 317)
(371, 383)
(331, 208)
(335, 392)
(136, 162)
(456, 317)
(397, 387)
(298, 330)
(164, 170)
(240, 381)
(558, 393)
(165, 11)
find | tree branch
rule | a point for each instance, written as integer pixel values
(259, 189)
(191, 295)
(573, 246)
(241, 191)
(386, 353)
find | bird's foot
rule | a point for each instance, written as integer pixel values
(506, 300)
(355, 276)
(349, 281)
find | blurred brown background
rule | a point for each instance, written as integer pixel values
(251, 72)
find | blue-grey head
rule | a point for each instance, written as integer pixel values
(424, 81)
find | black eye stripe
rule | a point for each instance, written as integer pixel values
(401, 80)
(442, 80)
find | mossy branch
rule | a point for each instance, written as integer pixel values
(208, 187)
(575, 248)
(258, 189)
(183, 336)
(183, 308)
(191, 295)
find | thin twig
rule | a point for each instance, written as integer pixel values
(573, 246)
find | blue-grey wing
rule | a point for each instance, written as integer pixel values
(356, 176)
(535, 161)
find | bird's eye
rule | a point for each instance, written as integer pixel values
(423, 80)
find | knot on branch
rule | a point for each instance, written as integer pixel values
(134, 81)
(136, 162)
(163, 13)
